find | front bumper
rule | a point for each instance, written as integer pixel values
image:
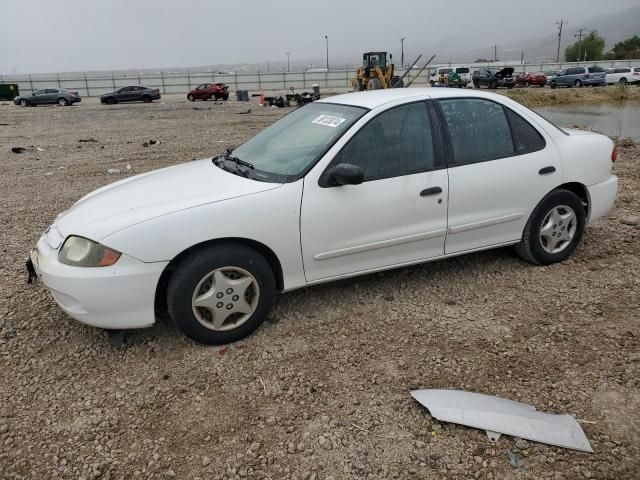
(601, 197)
(121, 296)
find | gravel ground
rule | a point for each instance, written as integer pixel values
(321, 391)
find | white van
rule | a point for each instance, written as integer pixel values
(441, 72)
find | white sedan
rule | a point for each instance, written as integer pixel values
(349, 185)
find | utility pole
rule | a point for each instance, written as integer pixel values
(495, 53)
(579, 37)
(402, 51)
(326, 39)
(288, 65)
(560, 24)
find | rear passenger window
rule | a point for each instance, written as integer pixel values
(482, 130)
(478, 129)
(526, 138)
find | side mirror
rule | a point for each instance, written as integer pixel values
(345, 174)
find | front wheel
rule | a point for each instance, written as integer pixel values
(191, 98)
(24, 103)
(578, 84)
(623, 81)
(554, 229)
(221, 294)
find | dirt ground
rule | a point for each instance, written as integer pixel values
(321, 391)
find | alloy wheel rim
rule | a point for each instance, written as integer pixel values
(225, 298)
(558, 229)
(62, 101)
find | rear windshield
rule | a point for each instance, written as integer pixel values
(462, 70)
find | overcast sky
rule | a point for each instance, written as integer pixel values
(75, 35)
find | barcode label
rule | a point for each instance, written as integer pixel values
(328, 120)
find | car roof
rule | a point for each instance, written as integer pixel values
(376, 98)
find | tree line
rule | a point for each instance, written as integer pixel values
(591, 47)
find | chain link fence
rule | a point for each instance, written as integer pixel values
(95, 84)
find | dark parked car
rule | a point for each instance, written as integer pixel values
(208, 91)
(531, 78)
(61, 96)
(579, 77)
(494, 77)
(134, 93)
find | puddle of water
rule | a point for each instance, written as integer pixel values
(620, 119)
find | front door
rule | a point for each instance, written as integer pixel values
(398, 215)
(502, 166)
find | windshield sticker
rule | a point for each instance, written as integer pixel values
(328, 120)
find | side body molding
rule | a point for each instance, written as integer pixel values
(499, 415)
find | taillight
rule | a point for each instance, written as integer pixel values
(614, 154)
(637, 74)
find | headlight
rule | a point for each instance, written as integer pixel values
(82, 252)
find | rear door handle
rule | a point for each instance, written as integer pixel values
(545, 170)
(430, 191)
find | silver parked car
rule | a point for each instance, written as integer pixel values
(61, 96)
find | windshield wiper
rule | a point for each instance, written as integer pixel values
(240, 166)
(238, 161)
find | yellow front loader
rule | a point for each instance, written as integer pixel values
(375, 73)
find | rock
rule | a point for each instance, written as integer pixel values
(419, 444)
(170, 474)
(205, 461)
(632, 220)
(4, 428)
(522, 444)
(113, 171)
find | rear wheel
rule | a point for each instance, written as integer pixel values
(147, 99)
(554, 229)
(221, 294)
(63, 102)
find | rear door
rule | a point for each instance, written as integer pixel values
(500, 167)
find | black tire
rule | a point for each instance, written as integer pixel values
(225, 97)
(530, 247)
(476, 85)
(493, 85)
(623, 81)
(147, 99)
(24, 102)
(577, 84)
(63, 102)
(553, 85)
(526, 84)
(191, 98)
(110, 101)
(195, 268)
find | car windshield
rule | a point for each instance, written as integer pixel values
(462, 70)
(283, 151)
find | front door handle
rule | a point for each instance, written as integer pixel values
(430, 191)
(545, 170)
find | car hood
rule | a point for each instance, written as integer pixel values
(505, 72)
(153, 194)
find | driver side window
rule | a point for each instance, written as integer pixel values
(395, 143)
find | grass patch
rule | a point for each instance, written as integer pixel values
(539, 97)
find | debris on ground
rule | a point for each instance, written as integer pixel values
(631, 220)
(499, 416)
(18, 149)
(113, 171)
(87, 140)
(513, 459)
(244, 113)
